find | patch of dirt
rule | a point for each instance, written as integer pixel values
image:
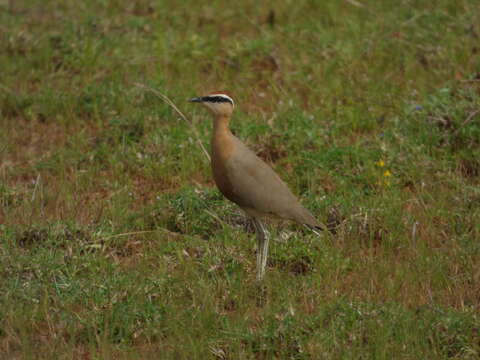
(270, 150)
(39, 236)
(32, 237)
(334, 219)
(469, 168)
(371, 232)
(298, 266)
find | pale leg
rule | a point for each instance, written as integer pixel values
(262, 248)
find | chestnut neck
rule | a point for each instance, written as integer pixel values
(221, 124)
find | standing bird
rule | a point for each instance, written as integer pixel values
(248, 181)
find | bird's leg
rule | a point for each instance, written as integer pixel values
(262, 248)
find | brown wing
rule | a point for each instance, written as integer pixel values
(253, 185)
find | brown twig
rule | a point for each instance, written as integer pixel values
(355, 3)
(469, 118)
(174, 234)
(170, 102)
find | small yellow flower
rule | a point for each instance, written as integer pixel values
(380, 163)
(387, 173)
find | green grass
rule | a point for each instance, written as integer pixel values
(115, 243)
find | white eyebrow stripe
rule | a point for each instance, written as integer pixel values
(224, 96)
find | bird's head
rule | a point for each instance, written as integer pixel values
(218, 103)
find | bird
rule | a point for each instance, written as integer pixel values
(245, 179)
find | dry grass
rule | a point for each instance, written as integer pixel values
(115, 242)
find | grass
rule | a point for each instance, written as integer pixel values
(115, 243)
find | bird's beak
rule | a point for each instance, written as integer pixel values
(197, 99)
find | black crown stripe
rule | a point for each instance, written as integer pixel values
(216, 99)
